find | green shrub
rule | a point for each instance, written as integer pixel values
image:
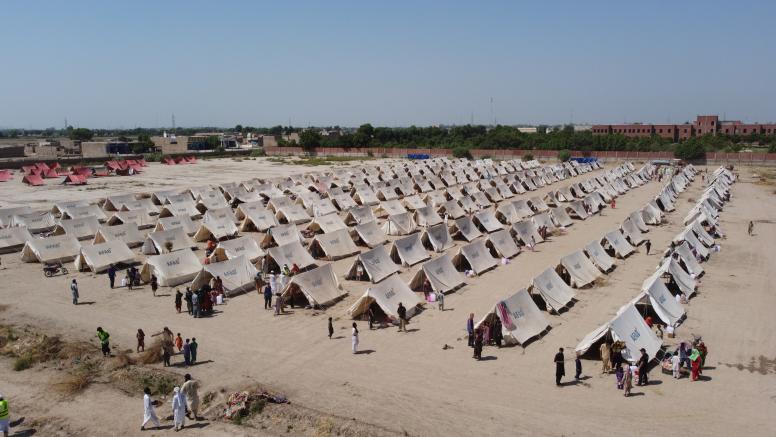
(564, 155)
(528, 157)
(370, 154)
(22, 363)
(462, 152)
(153, 157)
(258, 153)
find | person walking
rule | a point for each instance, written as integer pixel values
(278, 304)
(154, 284)
(5, 417)
(104, 341)
(178, 408)
(331, 328)
(402, 312)
(354, 338)
(193, 348)
(74, 291)
(676, 363)
(577, 367)
(130, 279)
(188, 298)
(273, 282)
(606, 357)
(187, 353)
(495, 332)
(627, 379)
(190, 390)
(750, 228)
(149, 415)
(267, 297)
(440, 298)
(470, 329)
(140, 340)
(178, 300)
(642, 365)
(112, 275)
(179, 342)
(647, 245)
(560, 366)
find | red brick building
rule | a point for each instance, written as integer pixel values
(703, 125)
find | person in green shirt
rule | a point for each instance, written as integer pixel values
(5, 422)
(193, 349)
(104, 336)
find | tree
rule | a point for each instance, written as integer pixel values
(310, 139)
(143, 144)
(690, 150)
(564, 155)
(213, 142)
(81, 134)
(238, 128)
(462, 152)
(363, 135)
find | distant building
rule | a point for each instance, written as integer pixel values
(703, 125)
(12, 150)
(527, 130)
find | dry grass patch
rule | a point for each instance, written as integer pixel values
(152, 354)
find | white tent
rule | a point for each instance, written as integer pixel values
(140, 205)
(343, 201)
(477, 256)
(14, 239)
(141, 219)
(538, 204)
(651, 214)
(280, 235)
(580, 269)
(487, 221)
(409, 250)
(526, 232)
(389, 207)
(441, 274)
(503, 244)
(237, 275)
(292, 214)
(6, 214)
(683, 280)
(129, 234)
(216, 229)
(327, 223)
(464, 228)
(387, 295)
(599, 257)
(157, 242)
(555, 293)
(276, 203)
(80, 228)
(629, 327)
(99, 257)
(365, 196)
(521, 319)
(561, 217)
(618, 243)
(360, 215)
(630, 231)
(638, 221)
(75, 212)
(400, 224)
(688, 236)
(577, 209)
(185, 222)
(61, 248)
(376, 263)
(290, 254)
(35, 222)
(414, 202)
(437, 238)
(691, 264)
(319, 286)
(663, 303)
(257, 220)
(239, 246)
(543, 219)
(426, 216)
(452, 209)
(244, 209)
(334, 245)
(171, 269)
(370, 234)
(183, 208)
(219, 214)
(59, 207)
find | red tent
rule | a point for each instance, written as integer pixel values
(136, 167)
(112, 165)
(169, 161)
(55, 165)
(101, 172)
(30, 169)
(75, 179)
(142, 162)
(33, 179)
(42, 166)
(5, 175)
(82, 171)
(192, 159)
(51, 174)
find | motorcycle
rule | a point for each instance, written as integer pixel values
(51, 269)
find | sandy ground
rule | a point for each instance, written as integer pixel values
(408, 383)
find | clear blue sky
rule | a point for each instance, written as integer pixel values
(126, 64)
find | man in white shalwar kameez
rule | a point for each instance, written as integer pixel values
(149, 415)
(273, 282)
(178, 408)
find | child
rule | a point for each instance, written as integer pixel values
(331, 328)
(620, 375)
(179, 342)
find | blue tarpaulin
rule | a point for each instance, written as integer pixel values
(418, 156)
(587, 160)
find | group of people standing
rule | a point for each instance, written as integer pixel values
(273, 285)
(201, 302)
(184, 403)
(489, 332)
